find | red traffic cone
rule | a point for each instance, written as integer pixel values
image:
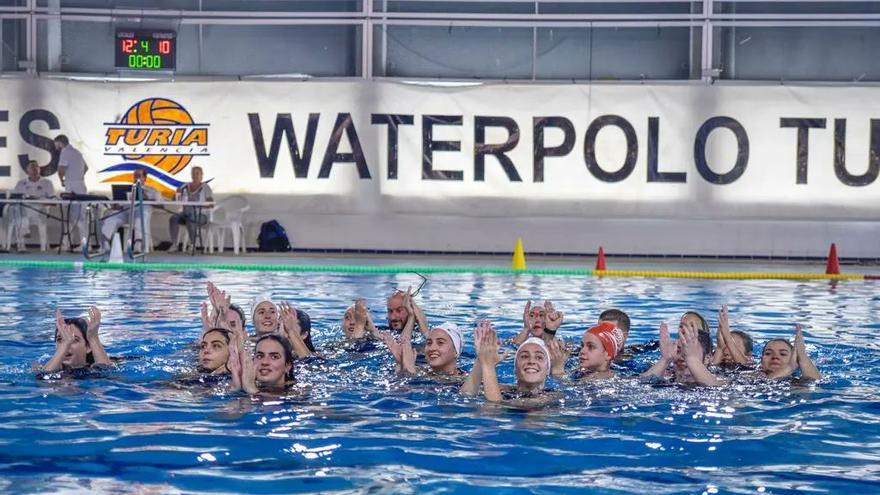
(833, 266)
(600, 259)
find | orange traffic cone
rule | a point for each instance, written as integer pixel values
(600, 259)
(833, 266)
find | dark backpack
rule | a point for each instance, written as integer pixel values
(273, 237)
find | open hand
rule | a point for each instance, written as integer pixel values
(693, 351)
(287, 316)
(558, 356)
(527, 315)
(553, 318)
(667, 345)
(94, 323)
(487, 343)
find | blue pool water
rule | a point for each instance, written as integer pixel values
(353, 426)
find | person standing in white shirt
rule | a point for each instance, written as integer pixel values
(72, 171)
(31, 187)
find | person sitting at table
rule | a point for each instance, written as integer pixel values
(113, 222)
(192, 216)
(31, 187)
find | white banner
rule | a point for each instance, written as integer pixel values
(636, 153)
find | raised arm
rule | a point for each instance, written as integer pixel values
(667, 354)
(94, 339)
(489, 359)
(693, 352)
(291, 328)
(420, 318)
(527, 325)
(394, 348)
(472, 383)
(724, 331)
(808, 368)
(65, 332)
(558, 356)
(554, 318)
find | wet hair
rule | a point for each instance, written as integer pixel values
(305, 328)
(287, 351)
(227, 335)
(83, 326)
(704, 325)
(237, 309)
(61, 138)
(703, 334)
(617, 315)
(748, 344)
(705, 342)
(787, 343)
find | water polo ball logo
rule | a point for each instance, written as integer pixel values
(157, 134)
(161, 112)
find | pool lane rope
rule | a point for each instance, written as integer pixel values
(90, 265)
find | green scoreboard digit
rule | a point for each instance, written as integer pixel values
(146, 50)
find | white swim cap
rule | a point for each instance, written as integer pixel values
(260, 299)
(454, 333)
(537, 341)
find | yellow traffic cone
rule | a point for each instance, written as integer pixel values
(519, 255)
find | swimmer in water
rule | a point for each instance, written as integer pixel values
(398, 310)
(283, 319)
(734, 348)
(214, 351)
(357, 323)
(442, 348)
(297, 327)
(688, 355)
(77, 343)
(269, 369)
(599, 347)
(531, 364)
(264, 314)
(780, 359)
(539, 321)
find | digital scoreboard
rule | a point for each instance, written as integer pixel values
(146, 50)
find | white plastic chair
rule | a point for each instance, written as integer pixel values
(13, 231)
(228, 214)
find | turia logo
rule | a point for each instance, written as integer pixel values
(156, 134)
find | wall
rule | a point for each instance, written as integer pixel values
(650, 169)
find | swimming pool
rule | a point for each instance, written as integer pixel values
(358, 428)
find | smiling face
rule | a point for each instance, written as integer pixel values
(265, 317)
(270, 364)
(213, 351)
(532, 364)
(397, 313)
(538, 316)
(593, 356)
(776, 356)
(78, 351)
(440, 351)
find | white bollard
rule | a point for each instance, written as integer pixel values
(116, 250)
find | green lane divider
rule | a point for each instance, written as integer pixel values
(91, 265)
